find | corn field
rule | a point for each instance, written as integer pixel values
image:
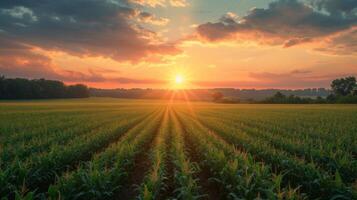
(150, 149)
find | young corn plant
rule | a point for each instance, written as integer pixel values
(186, 185)
(236, 170)
(103, 176)
(153, 182)
(305, 176)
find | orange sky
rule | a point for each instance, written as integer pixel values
(147, 43)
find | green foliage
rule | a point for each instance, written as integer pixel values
(87, 149)
(344, 92)
(344, 86)
(185, 183)
(280, 98)
(153, 183)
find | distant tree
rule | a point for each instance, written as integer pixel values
(77, 91)
(320, 100)
(251, 100)
(331, 98)
(2, 86)
(20, 88)
(344, 86)
(217, 96)
(354, 91)
(280, 98)
(279, 95)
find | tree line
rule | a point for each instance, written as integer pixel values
(344, 90)
(20, 88)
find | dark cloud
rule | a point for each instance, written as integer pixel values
(337, 7)
(81, 27)
(287, 22)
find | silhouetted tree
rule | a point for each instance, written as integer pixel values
(331, 98)
(2, 85)
(217, 96)
(320, 100)
(279, 95)
(354, 91)
(78, 91)
(19, 88)
(344, 86)
(280, 98)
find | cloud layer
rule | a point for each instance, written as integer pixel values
(284, 22)
(162, 3)
(105, 28)
(134, 34)
(83, 27)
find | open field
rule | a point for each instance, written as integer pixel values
(142, 149)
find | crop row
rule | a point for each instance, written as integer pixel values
(174, 151)
(236, 171)
(38, 171)
(297, 173)
(54, 136)
(330, 159)
(103, 176)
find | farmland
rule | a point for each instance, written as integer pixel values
(150, 149)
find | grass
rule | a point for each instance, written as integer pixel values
(91, 149)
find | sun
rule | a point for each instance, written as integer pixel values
(179, 79)
(178, 82)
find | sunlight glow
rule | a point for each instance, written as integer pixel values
(179, 79)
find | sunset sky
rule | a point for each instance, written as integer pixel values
(207, 43)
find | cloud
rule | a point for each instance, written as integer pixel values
(151, 3)
(299, 71)
(337, 7)
(295, 41)
(84, 27)
(94, 76)
(152, 19)
(284, 22)
(19, 60)
(342, 44)
(20, 12)
(161, 3)
(179, 3)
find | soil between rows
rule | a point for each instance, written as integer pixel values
(211, 189)
(139, 169)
